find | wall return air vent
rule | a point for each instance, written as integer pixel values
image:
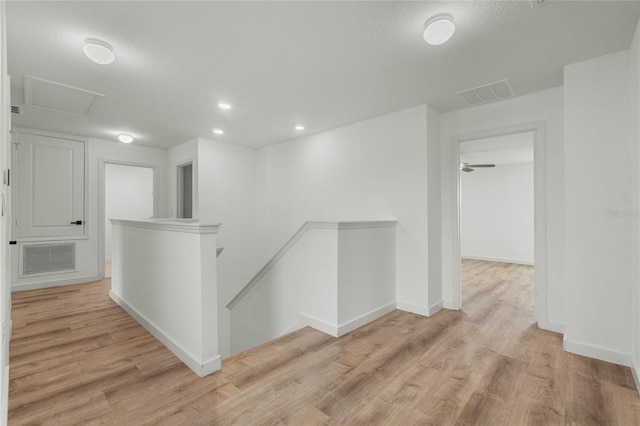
(48, 258)
(491, 92)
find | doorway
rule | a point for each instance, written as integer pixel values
(127, 191)
(185, 191)
(539, 196)
(497, 222)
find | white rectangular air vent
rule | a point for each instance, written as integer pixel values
(59, 97)
(48, 258)
(488, 93)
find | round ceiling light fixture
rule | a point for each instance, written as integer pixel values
(125, 138)
(299, 127)
(224, 105)
(98, 51)
(218, 131)
(439, 29)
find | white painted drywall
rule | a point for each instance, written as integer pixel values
(162, 275)
(496, 215)
(544, 106)
(374, 169)
(634, 92)
(434, 183)
(87, 249)
(227, 194)
(598, 207)
(128, 192)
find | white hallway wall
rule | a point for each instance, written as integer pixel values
(634, 94)
(546, 106)
(128, 194)
(496, 215)
(371, 170)
(87, 249)
(598, 182)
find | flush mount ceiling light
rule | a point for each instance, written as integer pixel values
(224, 105)
(439, 29)
(125, 138)
(98, 51)
(218, 131)
(299, 127)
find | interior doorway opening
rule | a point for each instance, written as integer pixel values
(539, 194)
(185, 191)
(497, 221)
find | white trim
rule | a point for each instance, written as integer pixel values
(540, 233)
(448, 304)
(635, 370)
(366, 318)
(101, 200)
(498, 259)
(319, 324)
(435, 308)
(551, 326)
(178, 225)
(414, 309)
(4, 401)
(596, 352)
(200, 368)
(55, 283)
(294, 239)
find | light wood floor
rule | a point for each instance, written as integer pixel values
(77, 358)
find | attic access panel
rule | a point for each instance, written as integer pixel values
(55, 96)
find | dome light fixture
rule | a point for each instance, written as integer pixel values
(98, 51)
(125, 138)
(299, 127)
(224, 105)
(218, 131)
(439, 29)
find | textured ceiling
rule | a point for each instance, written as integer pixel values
(323, 64)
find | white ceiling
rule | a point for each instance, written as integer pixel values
(323, 64)
(501, 150)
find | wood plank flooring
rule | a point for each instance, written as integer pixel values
(78, 359)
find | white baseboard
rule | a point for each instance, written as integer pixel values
(414, 309)
(635, 370)
(201, 368)
(435, 307)
(551, 326)
(56, 283)
(351, 325)
(497, 259)
(4, 398)
(448, 304)
(318, 324)
(596, 352)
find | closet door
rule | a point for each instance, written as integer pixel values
(49, 186)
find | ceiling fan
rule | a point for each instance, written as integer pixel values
(466, 167)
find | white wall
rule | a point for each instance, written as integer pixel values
(128, 194)
(226, 179)
(87, 249)
(634, 92)
(546, 106)
(496, 215)
(598, 207)
(371, 170)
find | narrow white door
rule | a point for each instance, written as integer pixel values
(49, 186)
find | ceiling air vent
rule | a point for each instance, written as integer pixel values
(15, 109)
(488, 93)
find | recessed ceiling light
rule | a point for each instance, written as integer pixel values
(99, 51)
(224, 105)
(125, 138)
(299, 127)
(439, 29)
(218, 131)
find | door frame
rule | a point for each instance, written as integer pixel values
(540, 219)
(101, 200)
(179, 186)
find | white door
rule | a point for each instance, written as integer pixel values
(49, 186)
